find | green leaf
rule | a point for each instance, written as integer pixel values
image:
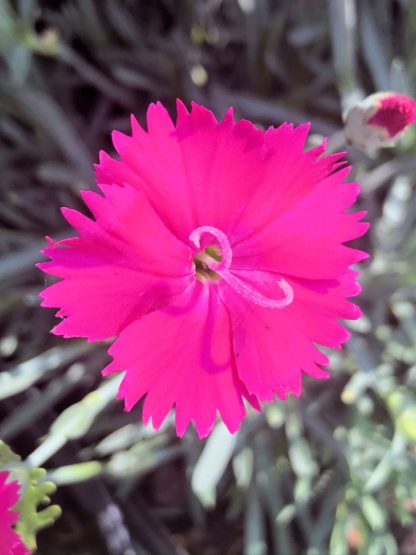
(73, 473)
(7, 457)
(406, 423)
(401, 404)
(76, 420)
(373, 512)
(36, 493)
(212, 463)
(34, 503)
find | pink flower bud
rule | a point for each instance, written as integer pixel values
(379, 120)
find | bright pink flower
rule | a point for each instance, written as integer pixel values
(10, 542)
(379, 120)
(216, 255)
(394, 113)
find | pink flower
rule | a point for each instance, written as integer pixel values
(379, 120)
(394, 113)
(10, 542)
(216, 256)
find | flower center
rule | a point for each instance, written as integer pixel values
(202, 261)
(214, 263)
(214, 258)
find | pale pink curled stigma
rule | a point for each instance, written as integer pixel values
(239, 286)
(251, 294)
(224, 244)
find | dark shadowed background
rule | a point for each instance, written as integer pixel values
(332, 472)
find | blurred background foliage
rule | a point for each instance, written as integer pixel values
(333, 472)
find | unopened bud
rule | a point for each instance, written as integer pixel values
(379, 120)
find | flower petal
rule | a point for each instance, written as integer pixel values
(10, 541)
(199, 173)
(123, 265)
(307, 240)
(271, 349)
(288, 174)
(182, 355)
(19, 548)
